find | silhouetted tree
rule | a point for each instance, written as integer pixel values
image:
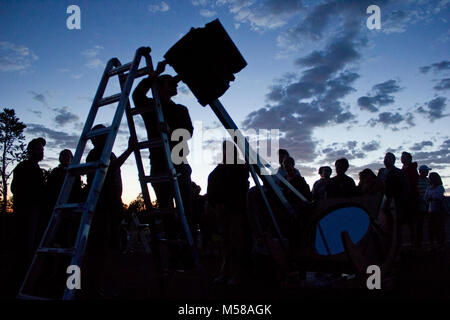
(12, 148)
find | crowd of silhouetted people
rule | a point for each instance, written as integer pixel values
(230, 219)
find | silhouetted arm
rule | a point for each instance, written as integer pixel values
(117, 163)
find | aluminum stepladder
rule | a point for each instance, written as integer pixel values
(86, 210)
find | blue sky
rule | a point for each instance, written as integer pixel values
(315, 71)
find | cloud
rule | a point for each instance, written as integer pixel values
(370, 146)
(380, 96)
(199, 2)
(207, 13)
(387, 119)
(15, 57)
(436, 67)
(420, 145)
(348, 150)
(92, 55)
(40, 97)
(434, 109)
(302, 102)
(64, 116)
(443, 84)
(55, 139)
(159, 7)
(268, 14)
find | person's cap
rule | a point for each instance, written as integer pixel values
(39, 140)
(424, 167)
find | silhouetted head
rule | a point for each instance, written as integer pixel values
(341, 166)
(35, 149)
(196, 189)
(289, 165)
(406, 158)
(167, 86)
(435, 179)
(389, 160)
(282, 153)
(65, 157)
(424, 170)
(367, 174)
(99, 141)
(325, 171)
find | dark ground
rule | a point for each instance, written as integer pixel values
(419, 273)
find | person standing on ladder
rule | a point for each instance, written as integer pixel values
(176, 116)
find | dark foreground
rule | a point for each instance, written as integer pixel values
(419, 273)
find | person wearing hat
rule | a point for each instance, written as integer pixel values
(27, 187)
(423, 183)
(176, 117)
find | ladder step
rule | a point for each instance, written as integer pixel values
(152, 143)
(84, 168)
(71, 206)
(109, 100)
(98, 132)
(136, 111)
(64, 251)
(159, 178)
(123, 68)
(30, 297)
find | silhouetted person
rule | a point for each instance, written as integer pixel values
(104, 233)
(437, 208)
(423, 183)
(282, 154)
(55, 181)
(369, 183)
(319, 190)
(341, 185)
(227, 195)
(396, 190)
(294, 177)
(28, 185)
(176, 116)
(412, 218)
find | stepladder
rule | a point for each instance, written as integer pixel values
(49, 275)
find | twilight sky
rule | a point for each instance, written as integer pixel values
(333, 87)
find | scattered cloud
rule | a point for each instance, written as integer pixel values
(421, 145)
(370, 146)
(434, 109)
(443, 84)
(64, 116)
(208, 13)
(391, 119)
(159, 7)
(40, 97)
(55, 139)
(436, 67)
(381, 95)
(92, 55)
(268, 14)
(15, 57)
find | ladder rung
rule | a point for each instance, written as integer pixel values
(152, 143)
(136, 111)
(56, 251)
(80, 169)
(71, 206)
(109, 100)
(30, 297)
(159, 178)
(97, 132)
(123, 68)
